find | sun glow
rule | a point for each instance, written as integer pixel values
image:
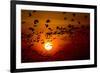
(48, 46)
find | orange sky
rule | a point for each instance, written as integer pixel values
(38, 24)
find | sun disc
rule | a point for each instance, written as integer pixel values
(48, 46)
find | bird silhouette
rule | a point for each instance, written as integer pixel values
(47, 21)
(30, 28)
(36, 21)
(30, 14)
(74, 14)
(46, 25)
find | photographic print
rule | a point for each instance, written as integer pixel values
(54, 36)
(50, 36)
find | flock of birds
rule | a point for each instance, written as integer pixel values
(60, 30)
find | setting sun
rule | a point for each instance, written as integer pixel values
(48, 46)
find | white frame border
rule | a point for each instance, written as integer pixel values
(20, 65)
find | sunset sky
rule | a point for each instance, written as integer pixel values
(54, 36)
